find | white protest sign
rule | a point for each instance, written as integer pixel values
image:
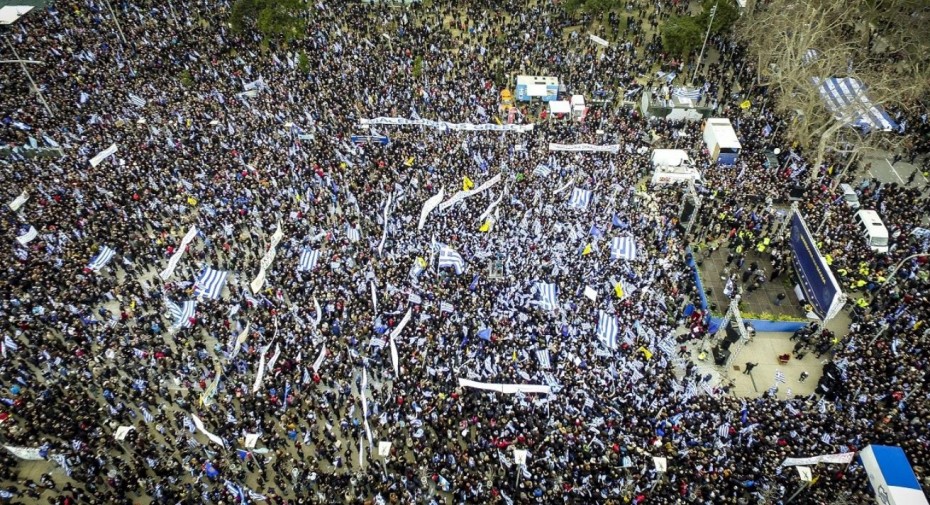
(805, 473)
(250, 440)
(122, 431)
(519, 456)
(384, 449)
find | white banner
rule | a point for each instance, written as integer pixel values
(592, 148)
(259, 280)
(394, 357)
(504, 388)
(173, 262)
(96, 160)
(250, 440)
(319, 359)
(429, 205)
(319, 312)
(28, 453)
(29, 236)
(199, 424)
(493, 204)
(461, 195)
(19, 201)
(387, 210)
(402, 325)
(597, 40)
(443, 125)
(834, 459)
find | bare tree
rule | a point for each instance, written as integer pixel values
(796, 45)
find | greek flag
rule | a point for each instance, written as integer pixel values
(542, 170)
(623, 248)
(353, 234)
(235, 491)
(27, 234)
(691, 94)
(308, 260)
(779, 376)
(182, 314)
(147, 415)
(448, 257)
(724, 430)
(102, 258)
(543, 356)
(210, 283)
(580, 199)
(826, 438)
(137, 100)
(8, 343)
(607, 329)
(547, 295)
(446, 307)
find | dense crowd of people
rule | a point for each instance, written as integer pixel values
(140, 386)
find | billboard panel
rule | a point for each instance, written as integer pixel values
(817, 280)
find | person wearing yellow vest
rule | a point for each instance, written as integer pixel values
(760, 248)
(862, 303)
(828, 259)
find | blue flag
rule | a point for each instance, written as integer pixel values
(485, 334)
(474, 283)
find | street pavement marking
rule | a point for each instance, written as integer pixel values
(896, 174)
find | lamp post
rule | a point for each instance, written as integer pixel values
(713, 12)
(22, 64)
(119, 29)
(894, 271)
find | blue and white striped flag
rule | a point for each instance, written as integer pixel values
(724, 430)
(779, 376)
(353, 233)
(308, 260)
(607, 329)
(147, 415)
(542, 170)
(543, 356)
(623, 248)
(448, 257)
(185, 312)
(137, 100)
(210, 283)
(580, 199)
(102, 258)
(547, 295)
(446, 307)
(693, 93)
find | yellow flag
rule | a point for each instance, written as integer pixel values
(646, 352)
(618, 288)
(587, 250)
(191, 201)
(745, 105)
(421, 262)
(515, 355)
(467, 183)
(409, 162)
(498, 120)
(486, 227)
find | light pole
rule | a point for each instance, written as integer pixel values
(894, 271)
(119, 29)
(713, 12)
(22, 63)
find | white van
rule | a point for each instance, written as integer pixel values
(873, 229)
(849, 196)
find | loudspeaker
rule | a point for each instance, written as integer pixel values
(732, 332)
(687, 211)
(721, 356)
